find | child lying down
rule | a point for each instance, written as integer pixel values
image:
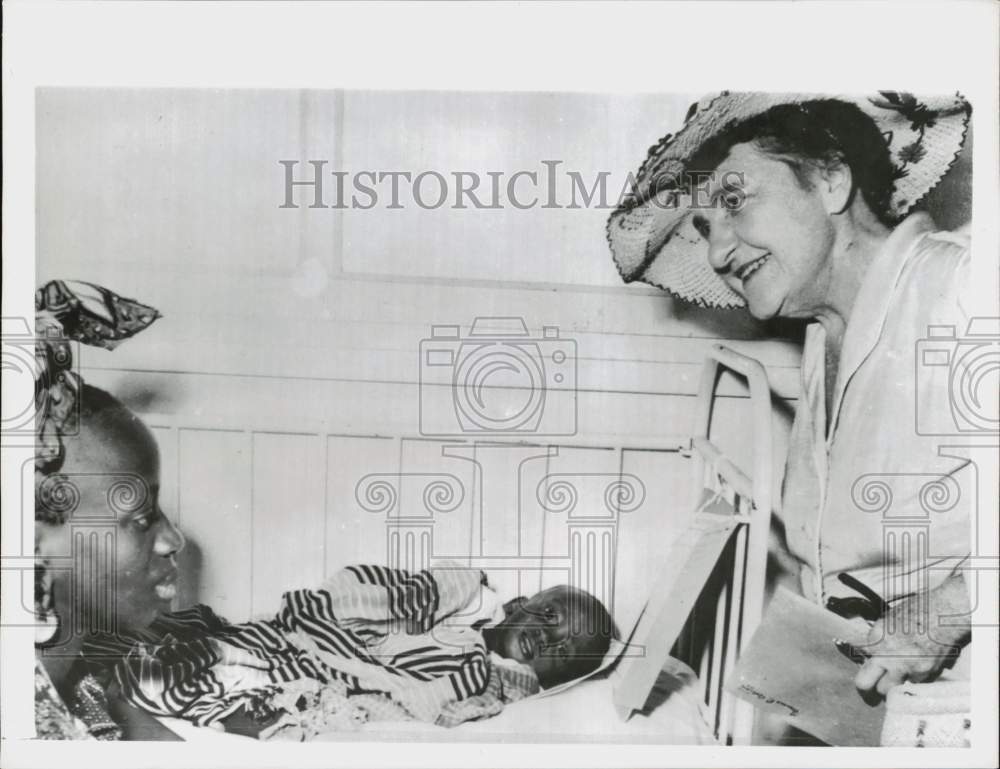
(372, 644)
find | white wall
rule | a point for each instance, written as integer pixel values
(286, 366)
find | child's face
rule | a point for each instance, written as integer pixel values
(554, 633)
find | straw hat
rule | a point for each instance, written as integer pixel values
(652, 236)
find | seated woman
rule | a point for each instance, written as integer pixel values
(104, 550)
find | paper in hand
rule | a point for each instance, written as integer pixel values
(791, 666)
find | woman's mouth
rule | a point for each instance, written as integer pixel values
(166, 588)
(526, 646)
(748, 269)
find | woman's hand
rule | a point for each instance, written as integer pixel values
(918, 636)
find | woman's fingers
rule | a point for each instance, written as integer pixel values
(869, 675)
(888, 681)
(881, 678)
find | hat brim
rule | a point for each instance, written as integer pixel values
(667, 251)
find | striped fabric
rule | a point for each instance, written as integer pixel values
(369, 630)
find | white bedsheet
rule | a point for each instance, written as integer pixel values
(584, 712)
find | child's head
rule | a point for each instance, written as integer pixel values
(562, 633)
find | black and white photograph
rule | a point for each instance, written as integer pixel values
(571, 417)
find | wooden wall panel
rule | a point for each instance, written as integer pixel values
(356, 511)
(503, 133)
(578, 520)
(289, 486)
(215, 497)
(372, 408)
(242, 561)
(167, 442)
(193, 172)
(438, 487)
(507, 520)
(646, 530)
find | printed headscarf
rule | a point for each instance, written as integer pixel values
(69, 312)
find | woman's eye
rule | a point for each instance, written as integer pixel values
(145, 521)
(733, 202)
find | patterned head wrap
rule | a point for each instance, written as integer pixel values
(68, 311)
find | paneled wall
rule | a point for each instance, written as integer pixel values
(284, 381)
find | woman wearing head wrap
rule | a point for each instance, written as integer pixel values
(104, 551)
(795, 206)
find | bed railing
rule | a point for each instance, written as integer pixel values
(717, 569)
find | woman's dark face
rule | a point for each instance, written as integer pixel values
(113, 561)
(553, 632)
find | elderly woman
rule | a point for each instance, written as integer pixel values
(104, 550)
(795, 206)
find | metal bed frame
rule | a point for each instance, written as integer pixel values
(718, 570)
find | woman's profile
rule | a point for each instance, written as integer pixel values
(104, 551)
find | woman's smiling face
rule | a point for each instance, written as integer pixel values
(769, 236)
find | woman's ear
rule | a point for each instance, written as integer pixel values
(836, 186)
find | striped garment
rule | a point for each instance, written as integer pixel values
(404, 645)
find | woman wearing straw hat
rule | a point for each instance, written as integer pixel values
(796, 206)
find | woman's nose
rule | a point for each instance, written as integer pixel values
(169, 539)
(722, 244)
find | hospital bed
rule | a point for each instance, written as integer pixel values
(666, 683)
